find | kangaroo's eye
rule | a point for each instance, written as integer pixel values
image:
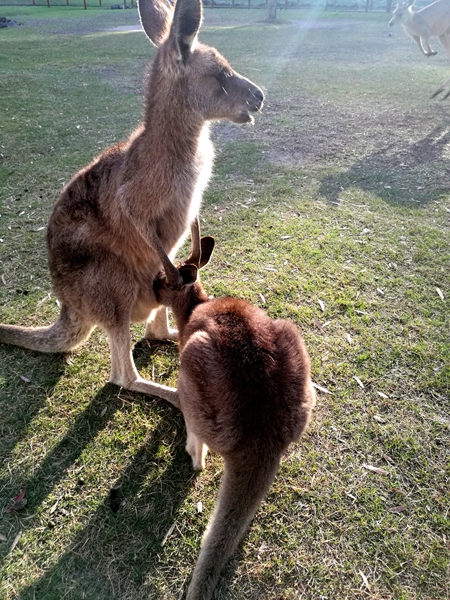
(222, 77)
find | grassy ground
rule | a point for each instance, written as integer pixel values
(334, 211)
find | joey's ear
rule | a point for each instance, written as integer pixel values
(185, 26)
(189, 273)
(156, 18)
(207, 244)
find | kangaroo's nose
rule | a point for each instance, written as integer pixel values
(259, 95)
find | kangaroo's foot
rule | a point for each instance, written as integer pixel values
(124, 372)
(157, 327)
(197, 449)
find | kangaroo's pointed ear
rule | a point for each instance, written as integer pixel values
(207, 244)
(189, 273)
(156, 18)
(186, 24)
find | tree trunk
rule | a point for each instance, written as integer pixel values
(271, 11)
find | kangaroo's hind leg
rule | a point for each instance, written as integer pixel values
(123, 369)
(157, 327)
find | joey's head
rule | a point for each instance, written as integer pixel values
(401, 12)
(195, 79)
(184, 299)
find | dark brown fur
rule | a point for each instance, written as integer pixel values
(123, 216)
(245, 391)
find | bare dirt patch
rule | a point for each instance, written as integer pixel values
(324, 132)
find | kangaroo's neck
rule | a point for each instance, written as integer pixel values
(178, 137)
(169, 118)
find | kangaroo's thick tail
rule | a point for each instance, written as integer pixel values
(69, 331)
(240, 494)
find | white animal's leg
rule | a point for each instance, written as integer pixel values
(441, 89)
(425, 46)
(157, 327)
(418, 41)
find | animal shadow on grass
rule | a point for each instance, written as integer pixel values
(28, 379)
(118, 548)
(411, 173)
(145, 352)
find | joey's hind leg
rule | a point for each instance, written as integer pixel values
(197, 449)
(123, 369)
(157, 327)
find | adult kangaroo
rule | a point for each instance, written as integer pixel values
(245, 391)
(123, 216)
(422, 24)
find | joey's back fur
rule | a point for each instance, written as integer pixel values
(245, 391)
(243, 369)
(123, 216)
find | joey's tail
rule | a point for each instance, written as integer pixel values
(240, 494)
(69, 331)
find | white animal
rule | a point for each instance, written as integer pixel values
(420, 25)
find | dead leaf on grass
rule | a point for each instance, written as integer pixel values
(378, 470)
(168, 534)
(366, 581)
(388, 459)
(358, 381)
(322, 305)
(318, 324)
(379, 418)
(398, 509)
(321, 388)
(440, 294)
(3, 280)
(15, 541)
(349, 338)
(261, 297)
(3, 538)
(23, 378)
(383, 395)
(19, 502)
